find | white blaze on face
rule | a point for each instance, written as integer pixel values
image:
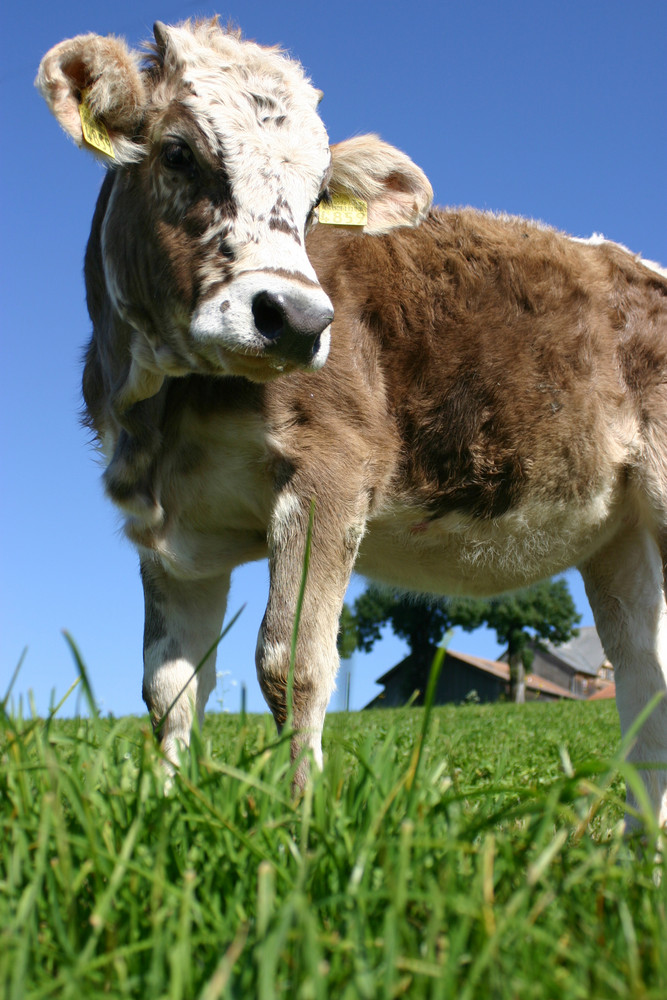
(258, 114)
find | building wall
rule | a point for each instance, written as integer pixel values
(457, 680)
(545, 666)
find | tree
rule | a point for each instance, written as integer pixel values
(520, 620)
(528, 618)
(347, 633)
(421, 620)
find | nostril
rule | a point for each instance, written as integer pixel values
(269, 317)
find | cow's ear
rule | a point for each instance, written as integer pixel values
(102, 76)
(397, 192)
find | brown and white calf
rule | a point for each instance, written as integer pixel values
(492, 410)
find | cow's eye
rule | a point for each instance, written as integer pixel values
(323, 196)
(178, 156)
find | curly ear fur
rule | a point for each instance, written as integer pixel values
(398, 193)
(109, 71)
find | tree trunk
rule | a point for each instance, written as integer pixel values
(517, 678)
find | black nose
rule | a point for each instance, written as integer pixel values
(293, 323)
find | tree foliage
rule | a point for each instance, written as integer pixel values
(419, 619)
(520, 620)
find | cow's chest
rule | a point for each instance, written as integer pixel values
(212, 483)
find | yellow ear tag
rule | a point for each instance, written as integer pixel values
(343, 210)
(94, 131)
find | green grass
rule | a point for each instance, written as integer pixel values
(486, 862)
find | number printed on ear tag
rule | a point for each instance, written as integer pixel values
(343, 210)
(94, 131)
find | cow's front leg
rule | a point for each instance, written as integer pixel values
(337, 529)
(183, 621)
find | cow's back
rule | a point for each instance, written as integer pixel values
(508, 368)
(501, 346)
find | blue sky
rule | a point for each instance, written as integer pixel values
(554, 110)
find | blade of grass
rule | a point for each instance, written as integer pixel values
(22, 657)
(83, 674)
(429, 698)
(218, 981)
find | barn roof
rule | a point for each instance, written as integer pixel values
(608, 691)
(495, 667)
(583, 653)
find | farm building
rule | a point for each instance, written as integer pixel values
(577, 669)
(580, 665)
(462, 676)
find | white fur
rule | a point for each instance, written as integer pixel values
(286, 511)
(192, 614)
(624, 584)
(223, 323)
(598, 239)
(218, 514)
(267, 164)
(462, 554)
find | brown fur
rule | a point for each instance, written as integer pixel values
(493, 408)
(477, 364)
(498, 352)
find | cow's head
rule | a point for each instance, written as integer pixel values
(219, 159)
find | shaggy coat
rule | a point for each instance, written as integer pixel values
(473, 402)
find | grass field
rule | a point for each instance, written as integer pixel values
(485, 860)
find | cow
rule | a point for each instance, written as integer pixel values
(453, 402)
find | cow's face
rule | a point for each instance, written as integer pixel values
(220, 158)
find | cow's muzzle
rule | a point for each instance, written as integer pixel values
(261, 324)
(292, 325)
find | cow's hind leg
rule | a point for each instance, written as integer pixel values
(182, 623)
(626, 589)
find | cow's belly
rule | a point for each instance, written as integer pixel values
(217, 498)
(459, 554)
